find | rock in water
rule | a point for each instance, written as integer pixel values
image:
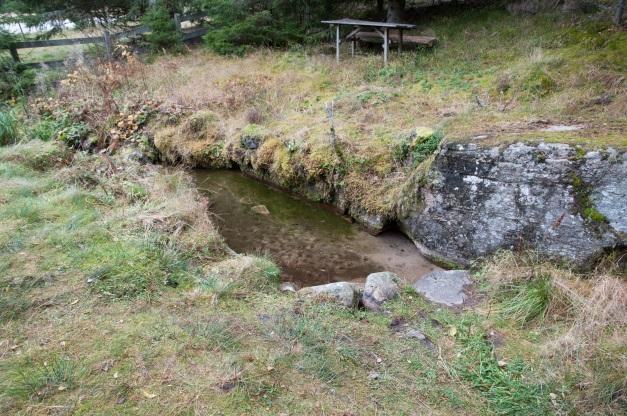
(444, 287)
(379, 288)
(261, 209)
(341, 292)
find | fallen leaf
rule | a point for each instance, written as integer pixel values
(148, 395)
(452, 332)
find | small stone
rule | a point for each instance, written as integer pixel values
(422, 338)
(288, 287)
(444, 287)
(260, 209)
(373, 375)
(341, 292)
(413, 333)
(379, 288)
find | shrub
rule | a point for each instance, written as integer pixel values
(75, 135)
(8, 128)
(276, 23)
(16, 79)
(163, 33)
(416, 146)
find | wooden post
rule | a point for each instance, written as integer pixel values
(353, 42)
(385, 45)
(106, 35)
(400, 41)
(177, 22)
(337, 43)
(14, 54)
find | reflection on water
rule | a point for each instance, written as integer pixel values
(312, 244)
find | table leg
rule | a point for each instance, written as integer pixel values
(385, 45)
(337, 43)
(354, 41)
(400, 41)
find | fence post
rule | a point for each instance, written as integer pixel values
(14, 54)
(106, 35)
(177, 22)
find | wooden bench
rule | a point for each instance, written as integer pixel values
(381, 29)
(374, 37)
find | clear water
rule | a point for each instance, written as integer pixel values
(311, 243)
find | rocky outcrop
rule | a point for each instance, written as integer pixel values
(554, 198)
(472, 200)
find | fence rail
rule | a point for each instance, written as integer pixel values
(107, 38)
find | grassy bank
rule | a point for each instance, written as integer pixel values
(494, 76)
(117, 296)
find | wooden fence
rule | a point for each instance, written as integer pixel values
(107, 39)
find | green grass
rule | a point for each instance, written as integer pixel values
(124, 340)
(8, 128)
(528, 300)
(37, 381)
(115, 288)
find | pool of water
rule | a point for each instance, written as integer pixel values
(309, 241)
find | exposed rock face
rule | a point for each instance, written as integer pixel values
(342, 292)
(380, 287)
(444, 287)
(480, 200)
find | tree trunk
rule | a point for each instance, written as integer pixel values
(618, 16)
(395, 10)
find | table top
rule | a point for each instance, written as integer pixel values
(354, 22)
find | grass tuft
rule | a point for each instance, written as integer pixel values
(529, 300)
(8, 128)
(38, 381)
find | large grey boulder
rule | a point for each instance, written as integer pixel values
(342, 292)
(379, 288)
(444, 287)
(479, 200)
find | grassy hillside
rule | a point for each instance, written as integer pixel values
(494, 78)
(118, 297)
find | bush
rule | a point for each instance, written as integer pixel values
(260, 23)
(163, 33)
(76, 135)
(8, 128)
(416, 146)
(16, 79)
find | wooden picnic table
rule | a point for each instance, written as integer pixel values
(380, 28)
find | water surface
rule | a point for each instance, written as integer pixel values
(310, 242)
